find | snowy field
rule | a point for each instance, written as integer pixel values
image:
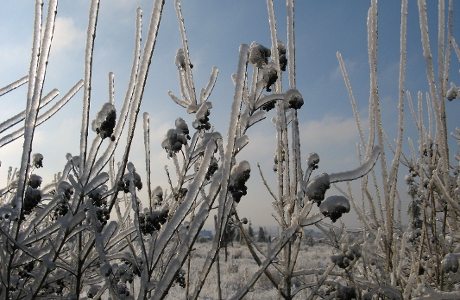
(240, 266)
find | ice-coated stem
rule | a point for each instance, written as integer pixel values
(146, 123)
(105, 157)
(358, 172)
(188, 71)
(14, 85)
(90, 37)
(20, 116)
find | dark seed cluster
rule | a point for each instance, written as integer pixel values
(150, 221)
(239, 175)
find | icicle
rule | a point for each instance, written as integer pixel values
(14, 85)
(359, 172)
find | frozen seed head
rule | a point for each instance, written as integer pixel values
(453, 92)
(65, 189)
(31, 200)
(317, 187)
(313, 160)
(173, 142)
(37, 160)
(180, 59)
(340, 260)
(35, 181)
(334, 206)
(182, 128)
(282, 55)
(158, 195)
(105, 120)
(269, 76)
(258, 55)
(346, 293)
(293, 99)
(239, 175)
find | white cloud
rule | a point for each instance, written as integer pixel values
(67, 36)
(330, 131)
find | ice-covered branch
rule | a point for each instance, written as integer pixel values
(358, 172)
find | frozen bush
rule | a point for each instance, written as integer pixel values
(105, 120)
(334, 206)
(258, 55)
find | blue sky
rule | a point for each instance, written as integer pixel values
(215, 30)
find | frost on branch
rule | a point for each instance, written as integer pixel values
(334, 206)
(239, 175)
(37, 160)
(258, 55)
(105, 121)
(157, 195)
(317, 187)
